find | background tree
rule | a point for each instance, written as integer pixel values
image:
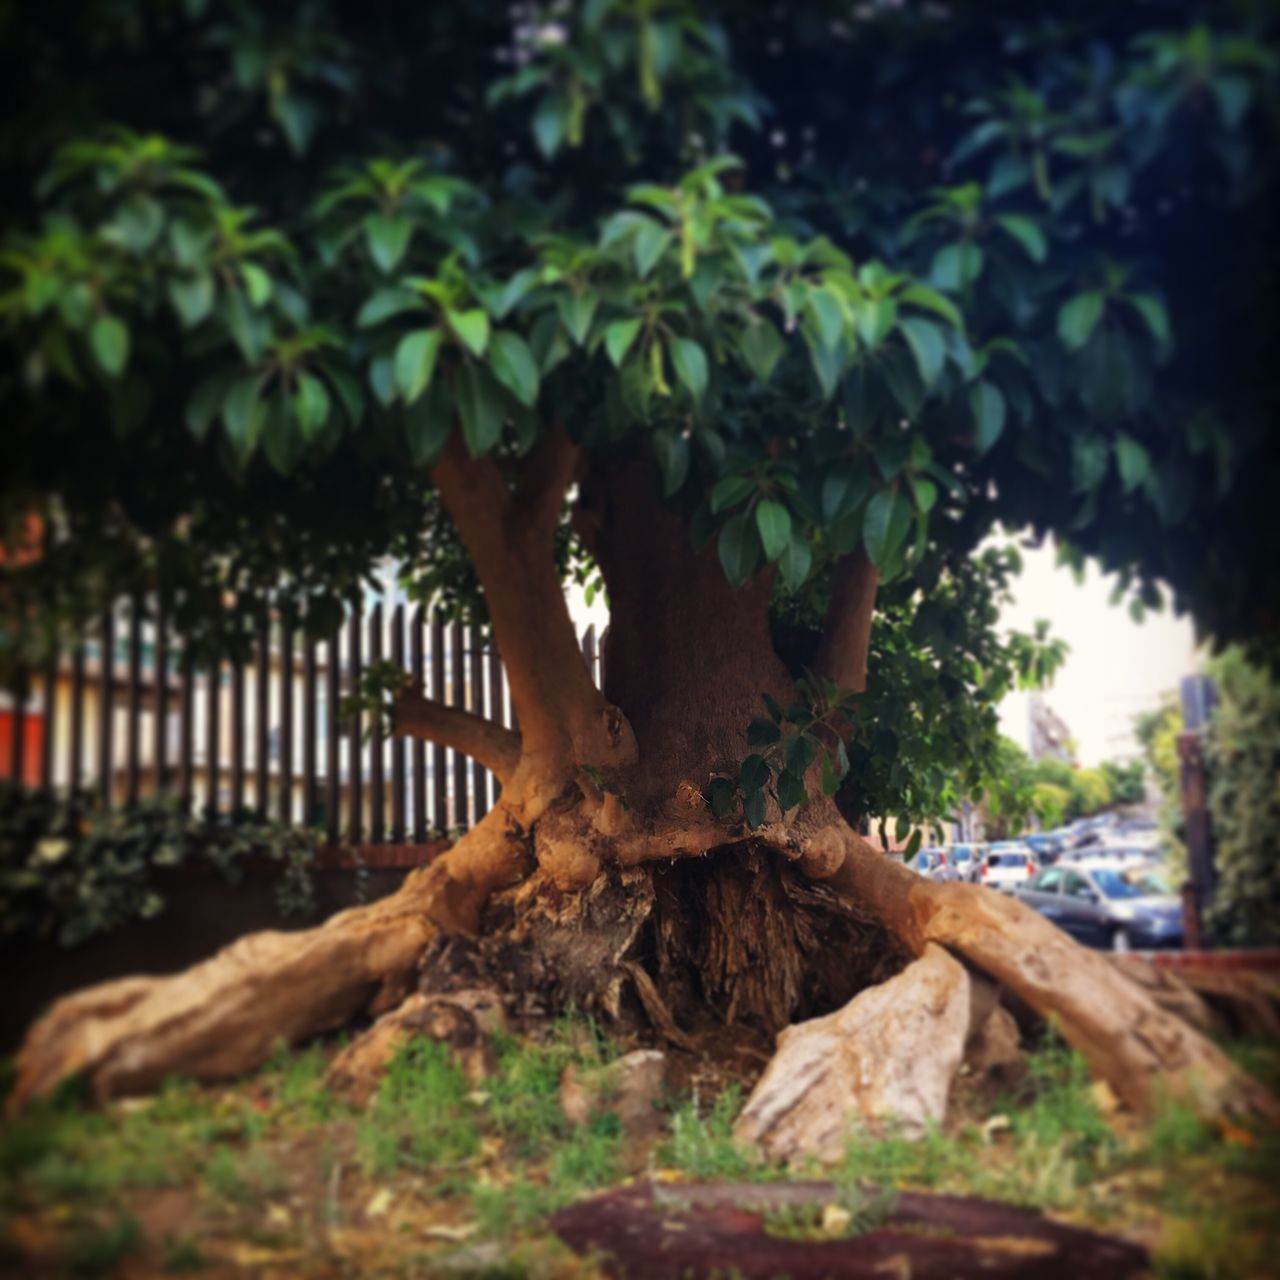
(499, 325)
(1126, 779)
(1242, 755)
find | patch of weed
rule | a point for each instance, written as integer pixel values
(95, 1251)
(704, 1146)
(182, 1254)
(1176, 1131)
(1206, 1247)
(420, 1117)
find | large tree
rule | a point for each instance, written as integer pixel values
(764, 314)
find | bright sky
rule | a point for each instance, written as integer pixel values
(1116, 667)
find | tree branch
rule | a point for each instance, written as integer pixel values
(547, 477)
(846, 629)
(493, 746)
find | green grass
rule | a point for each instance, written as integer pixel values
(702, 1144)
(97, 1250)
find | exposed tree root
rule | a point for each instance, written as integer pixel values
(1142, 1051)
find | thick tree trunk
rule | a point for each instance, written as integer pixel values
(592, 880)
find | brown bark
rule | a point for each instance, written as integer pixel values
(846, 629)
(496, 748)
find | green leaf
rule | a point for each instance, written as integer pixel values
(618, 338)
(690, 364)
(480, 408)
(919, 295)
(650, 243)
(672, 451)
(550, 122)
(791, 790)
(926, 494)
(730, 491)
(1026, 231)
(762, 731)
(206, 402)
(885, 524)
(753, 773)
(257, 283)
(140, 221)
(828, 316)
(1233, 94)
(927, 346)
(830, 778)
(513, 365)
(192, 299)
(753, 809)
(310, 405)
(771, 705)
(797, 754)
(986, 403)
(739, 548)
(242, 414)
(387, 236)
(1154, 316)
(773, 521)
(1078, 318)
(416, 361)
(427, 423)
(875, 319)
(577, 311)
(761, 348)
(471, 327)
(956, 267)
(281, 443)
(795, 562)
(384, 304)
(349, 393)
(1133, 462)
(109, 339)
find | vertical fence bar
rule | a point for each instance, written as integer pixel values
(497, 701)
(418, 748)
(48, 716)
(479, 774)
(332, 778)
(457, 655)
(18, 728)
(285, 795)
(106, 682)
(397, 741)
(262, 716)
(355, 775)
(439, 783)
(186, 728)
(310, 692)
(377, 781)
(160, 687)
(212, 736)
(589, 650)
(77, 716)
(237, 734)
(133, 705)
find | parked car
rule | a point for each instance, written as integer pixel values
(966, 858)
(925, 860)
(1107, 906)
(1007, 869)
(1115, 854)
(1046, 846)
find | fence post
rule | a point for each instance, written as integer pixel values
(377, 782)
(439, 782)
(332, 767)
(76, 770)
(160, 690)
(397, 740)
(237, 734)
(355, 782)
(479, 774)
(262, 717)
(212, 736)
(310, 691)
(418, 748)
(461, 810)
(106, 683)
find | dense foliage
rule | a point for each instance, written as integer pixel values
(856, 277)
(1242, 755)
(69, 871)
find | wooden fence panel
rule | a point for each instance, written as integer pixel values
(396, 791)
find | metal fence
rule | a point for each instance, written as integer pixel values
(128, 713)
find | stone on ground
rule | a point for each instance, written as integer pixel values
(630, 1087)
(885, 1061)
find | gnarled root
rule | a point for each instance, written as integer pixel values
(1142, 1051)
(223, 1017)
